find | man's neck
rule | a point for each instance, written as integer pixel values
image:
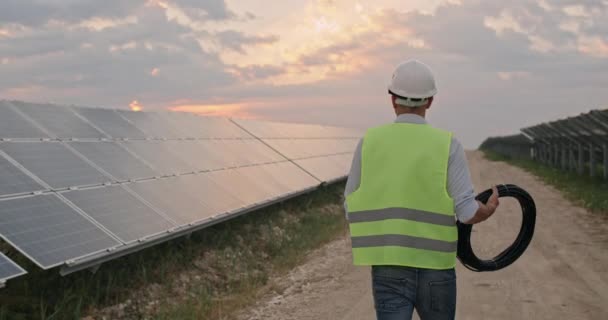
(420, 114)
(410, 118)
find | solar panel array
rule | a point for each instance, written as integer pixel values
(82, 185)
(577, 143)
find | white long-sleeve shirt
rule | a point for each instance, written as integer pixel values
(460, 187)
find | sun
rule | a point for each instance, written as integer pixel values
(135, 106)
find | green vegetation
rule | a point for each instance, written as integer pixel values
(591, 193)
(205, 276)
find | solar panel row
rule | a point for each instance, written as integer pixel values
(78, 182)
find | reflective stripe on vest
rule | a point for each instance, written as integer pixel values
(401, 213)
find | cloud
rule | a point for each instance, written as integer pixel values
(575, 23)
(499, 65)
(523, 63)
(212, 9)
(238, 41)
(37, 13)
(114, 63)
(257, 72)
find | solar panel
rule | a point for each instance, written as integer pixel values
(262, 129)
(119, 212)
(284, 176)
(266, 183)
(247, 190)
(345, 161)
(188, 125)
(54, 164)
(158, 154)
(343, 132)
(14, 126)
(170, 196)
(114, 159)
(111, 123)
(273, 130)
(221, 128)
(195, 155)
(206, 127)
(219, 199)
(14, 181)
(61, 122)
(210, 156)
(206, 155)
(293, 149)
(231, 154)
(326, 168)
(258, 152)
(9, 269)
(50, 232)
(152, 124)
(239, 153)
(306, 148)
(293, 177)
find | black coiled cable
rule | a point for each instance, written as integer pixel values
(465, 253)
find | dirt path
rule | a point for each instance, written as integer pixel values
(563, 275)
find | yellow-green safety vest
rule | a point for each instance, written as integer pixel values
(401, 214)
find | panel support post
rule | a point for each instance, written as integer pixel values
(95, 268)
(556, 155)
(605, 152)
(564, 156)
(591, 161)
(541, 154)
(581, 159)
(571, 161)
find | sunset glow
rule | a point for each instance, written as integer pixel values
(216, 110)
(135, 106)
(324, 41)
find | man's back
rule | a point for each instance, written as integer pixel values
(408, 184)
(458, 185)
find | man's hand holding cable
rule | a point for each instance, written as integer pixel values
(485, 210)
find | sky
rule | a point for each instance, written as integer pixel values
(499, 65)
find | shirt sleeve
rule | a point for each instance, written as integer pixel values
(354, 177)
(460, 186)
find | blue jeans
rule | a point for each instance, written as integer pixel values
(399, 290)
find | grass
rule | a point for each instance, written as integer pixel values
(206, 276)
(591, 193)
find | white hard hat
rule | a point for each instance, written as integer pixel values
(412, 83)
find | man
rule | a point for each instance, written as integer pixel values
(408, 184)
